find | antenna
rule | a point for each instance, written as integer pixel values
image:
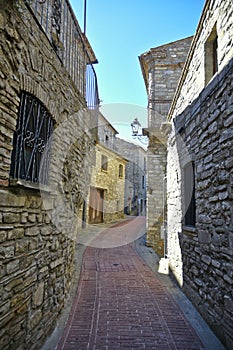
(85, 16)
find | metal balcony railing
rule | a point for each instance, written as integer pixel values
(58, 21)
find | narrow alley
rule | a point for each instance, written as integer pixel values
(121, 303)
(110, 166)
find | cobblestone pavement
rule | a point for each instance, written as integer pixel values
(120, 304)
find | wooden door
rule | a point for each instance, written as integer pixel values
(96, 204)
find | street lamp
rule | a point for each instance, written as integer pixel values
(136, 126)
(137, 131)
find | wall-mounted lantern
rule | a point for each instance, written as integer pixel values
(137, 131)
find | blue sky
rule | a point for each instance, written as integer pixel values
(121, 30)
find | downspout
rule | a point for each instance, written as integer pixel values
(164, 262)
(164, 220)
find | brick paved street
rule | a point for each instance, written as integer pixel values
(120, 304)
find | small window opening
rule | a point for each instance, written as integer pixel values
(211, 55)
(121, 171)
(189, 195)
(143, 181)
(104, 163)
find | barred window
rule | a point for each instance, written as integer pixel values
(31, 143)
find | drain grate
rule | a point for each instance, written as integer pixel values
(114, 267)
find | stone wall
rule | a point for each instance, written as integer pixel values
(106, 132)
(162, 67)
(156, 170)
(135, 172)
(201, 132)
(207, 251)
(219, 13)
(174, 209)
(37, 247)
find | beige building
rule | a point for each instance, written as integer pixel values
(106, 199)
(107, 189)
(134, 168)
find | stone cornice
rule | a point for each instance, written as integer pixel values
(166, 128)
(155, 132)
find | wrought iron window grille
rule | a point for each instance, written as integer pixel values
(32, 141)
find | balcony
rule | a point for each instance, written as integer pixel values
(56, 18)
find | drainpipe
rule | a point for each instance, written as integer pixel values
(164, 262)
(164, 221)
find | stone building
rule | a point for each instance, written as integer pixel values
(106, 133)
(127, 167)
(199, 132)
(106, 198)
(47, 81)
(135, 177)
(107, 187)
(161, 68)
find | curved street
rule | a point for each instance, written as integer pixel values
(120, 303)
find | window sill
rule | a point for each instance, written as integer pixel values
(30, 185)
(189, 231)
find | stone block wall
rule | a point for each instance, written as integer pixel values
(36, 269)
(216, 13)
(174, 209)
(106, 132)
(165, 64)
(162, 67)
(207, 251)
(156, 159)
(135, 172)
(201, 132)
(36, 245)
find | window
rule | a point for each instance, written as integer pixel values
(189, 195)
(144, 163)
(121, 171)
(211, 55)
(31, 143)
(104, 163)
(143, 181)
